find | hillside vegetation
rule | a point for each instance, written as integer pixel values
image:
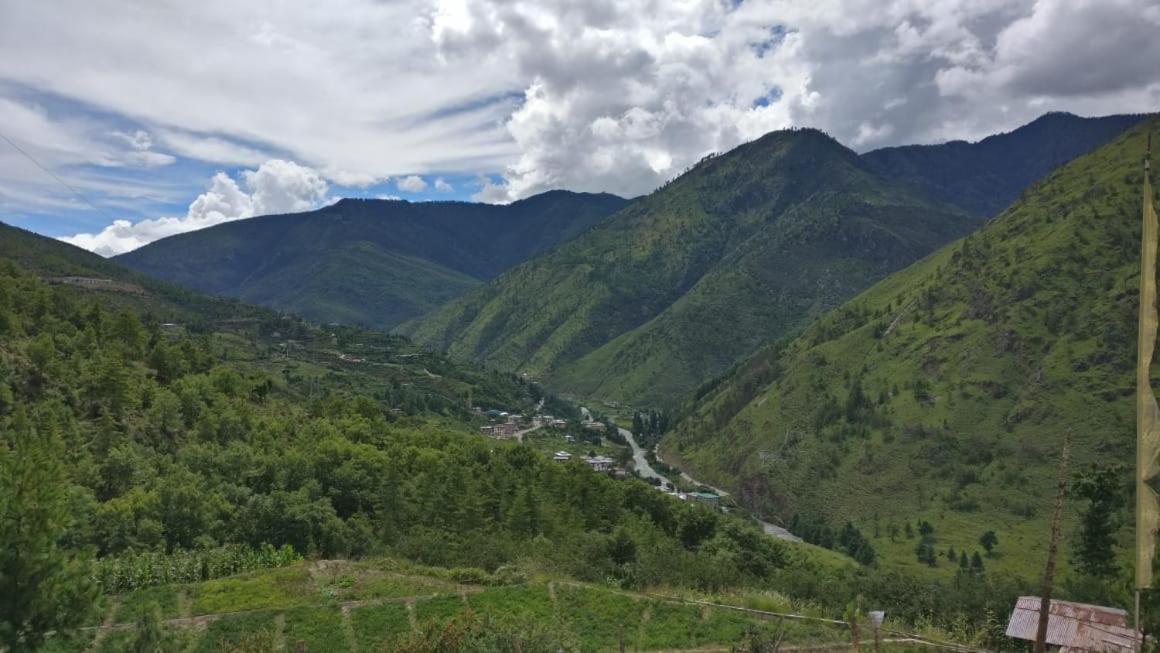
(370, 262)
(942, 394)
(674, 288)
(140, 457)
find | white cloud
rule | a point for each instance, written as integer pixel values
(211, 148)
(602, 95)
(621, 96)
(411, 184)
(442, 186)
(222, 81)
(277, 186)
(284, 187)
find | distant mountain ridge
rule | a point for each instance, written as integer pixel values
(371, 262)
(986, 176)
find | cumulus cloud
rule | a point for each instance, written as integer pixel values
(277, 186)
(411, 184)
(621, 96)
(442, 186)
(601, 95)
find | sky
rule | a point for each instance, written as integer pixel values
(125, 121)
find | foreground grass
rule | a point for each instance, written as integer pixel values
(382, 604)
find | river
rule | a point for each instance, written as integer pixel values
(646, 471)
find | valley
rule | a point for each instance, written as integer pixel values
(243, 478)
(510, 326)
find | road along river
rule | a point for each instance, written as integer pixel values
(646, 471)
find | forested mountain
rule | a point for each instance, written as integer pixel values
(369, 262)
(986, 176)
(943, 393)
(677, 286)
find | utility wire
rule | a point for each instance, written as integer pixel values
(72, 189)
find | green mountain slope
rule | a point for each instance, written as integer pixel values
(943, 392)
(986, 176)
(370, 262)
(676, 287)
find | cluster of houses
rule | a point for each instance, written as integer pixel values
(597, 463)
(503, 424)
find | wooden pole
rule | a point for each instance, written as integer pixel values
(1053, 547)
(1139, 626)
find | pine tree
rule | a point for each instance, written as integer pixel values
(1094, 553)
(977, 563)
(43, 587)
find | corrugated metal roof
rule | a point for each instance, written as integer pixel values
(1075, 626)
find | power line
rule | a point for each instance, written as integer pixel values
(76, 193)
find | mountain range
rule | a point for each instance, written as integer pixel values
(745, 248)
(986, 176)
(944, 391)
(371, 262)
(636, 301)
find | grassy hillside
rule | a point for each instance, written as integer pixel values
(369, 262)
(673, 289)
(986, 176)
(943, 392)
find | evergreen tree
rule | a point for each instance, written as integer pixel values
(43, 587)
(989, 540)
(977, 563)
(1094, 553)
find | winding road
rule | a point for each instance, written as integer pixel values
(646, 471)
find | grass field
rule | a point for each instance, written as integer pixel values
(377, 604)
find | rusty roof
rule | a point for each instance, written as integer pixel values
(1077, 626)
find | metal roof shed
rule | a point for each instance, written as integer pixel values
(1075, 626)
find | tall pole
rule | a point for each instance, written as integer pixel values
(1139, 445)
(1053, 547)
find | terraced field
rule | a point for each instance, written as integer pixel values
(387, 605)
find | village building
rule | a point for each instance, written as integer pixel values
(562, 457)
(600, 463)
(1074, 626)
